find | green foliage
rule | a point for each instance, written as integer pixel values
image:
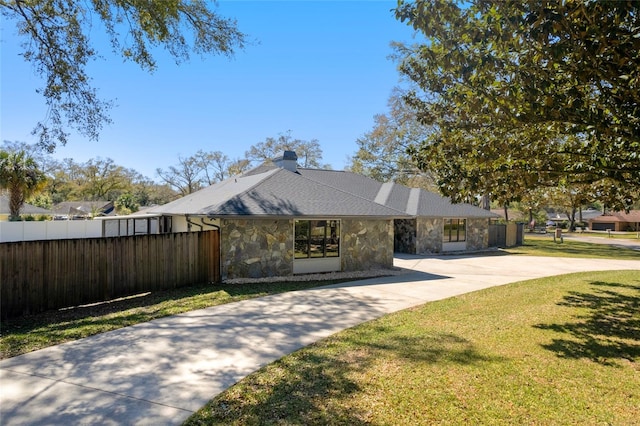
(126, 204)
(97, 179)
(57, 44)
(19, 174)
(382, 152)
(525, 94)
(309, 152)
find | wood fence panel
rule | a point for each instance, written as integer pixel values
(51, 274)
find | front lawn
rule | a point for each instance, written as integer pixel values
(558, 350)
(543, 245)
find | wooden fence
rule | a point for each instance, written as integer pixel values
(501, 235)
(40, 275)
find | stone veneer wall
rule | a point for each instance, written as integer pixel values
(404, 236)
(477, 234)
(256, 248)
(366, 244)
(429, 235)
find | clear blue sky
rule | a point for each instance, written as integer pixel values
(318, 69)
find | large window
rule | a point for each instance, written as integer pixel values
(317, 238)
(455, 230)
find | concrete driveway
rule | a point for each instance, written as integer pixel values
(160, 372)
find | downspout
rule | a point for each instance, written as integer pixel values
(209, 224)
(190, 222)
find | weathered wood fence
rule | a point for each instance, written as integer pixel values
(40, 275)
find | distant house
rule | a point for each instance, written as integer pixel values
(616, 221)
(279, 220)
(82, 209)
(27, 209)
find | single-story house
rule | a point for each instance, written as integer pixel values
(279, 220)
(616, 221)
(82, 209)
(27, 209)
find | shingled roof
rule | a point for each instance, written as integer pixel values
(269, 190)
(276, 192)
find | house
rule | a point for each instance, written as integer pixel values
(280, 220)
(82, 209)
(616, 221)
(27, 209)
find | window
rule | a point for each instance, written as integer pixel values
(317, 238)
(455, 230)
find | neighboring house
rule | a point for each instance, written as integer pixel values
(27, 209)
(280, 220)
(513, 215)
(616, 221)
(82, 209)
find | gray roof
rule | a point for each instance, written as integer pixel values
(269, 190)
(412, 201)
(276, 192)
(26, 207)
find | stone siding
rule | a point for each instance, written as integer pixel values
(366, 244)
(256, 248)
(477, 234)
(429, 235)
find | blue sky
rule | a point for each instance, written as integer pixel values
(318, 69)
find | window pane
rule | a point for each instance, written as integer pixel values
(317, 240)
(333, 238)
(301, 244)
(447, 230)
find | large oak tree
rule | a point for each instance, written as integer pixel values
(523, 94)
(57, 43)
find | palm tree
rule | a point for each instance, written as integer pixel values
(19, 174)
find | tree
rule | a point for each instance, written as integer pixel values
(19, 174)
(382, 153)
(309, 152)
(57, 44)
(199, 170)
(522, 94)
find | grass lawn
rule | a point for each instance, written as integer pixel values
(26, 334)
(543, 245)
(559, 350)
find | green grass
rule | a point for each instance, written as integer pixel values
(536, 245)
(618, 235)
(29, 333)
(559, 350)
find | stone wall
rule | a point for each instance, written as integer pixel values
(477, 234)
(256, 248)
(429, 235)
(366, 244)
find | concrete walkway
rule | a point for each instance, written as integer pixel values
(158, 373)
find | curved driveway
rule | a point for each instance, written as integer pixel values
(162, 371)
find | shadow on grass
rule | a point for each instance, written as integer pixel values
(31, 332)
(316, 384)
(609, 331)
